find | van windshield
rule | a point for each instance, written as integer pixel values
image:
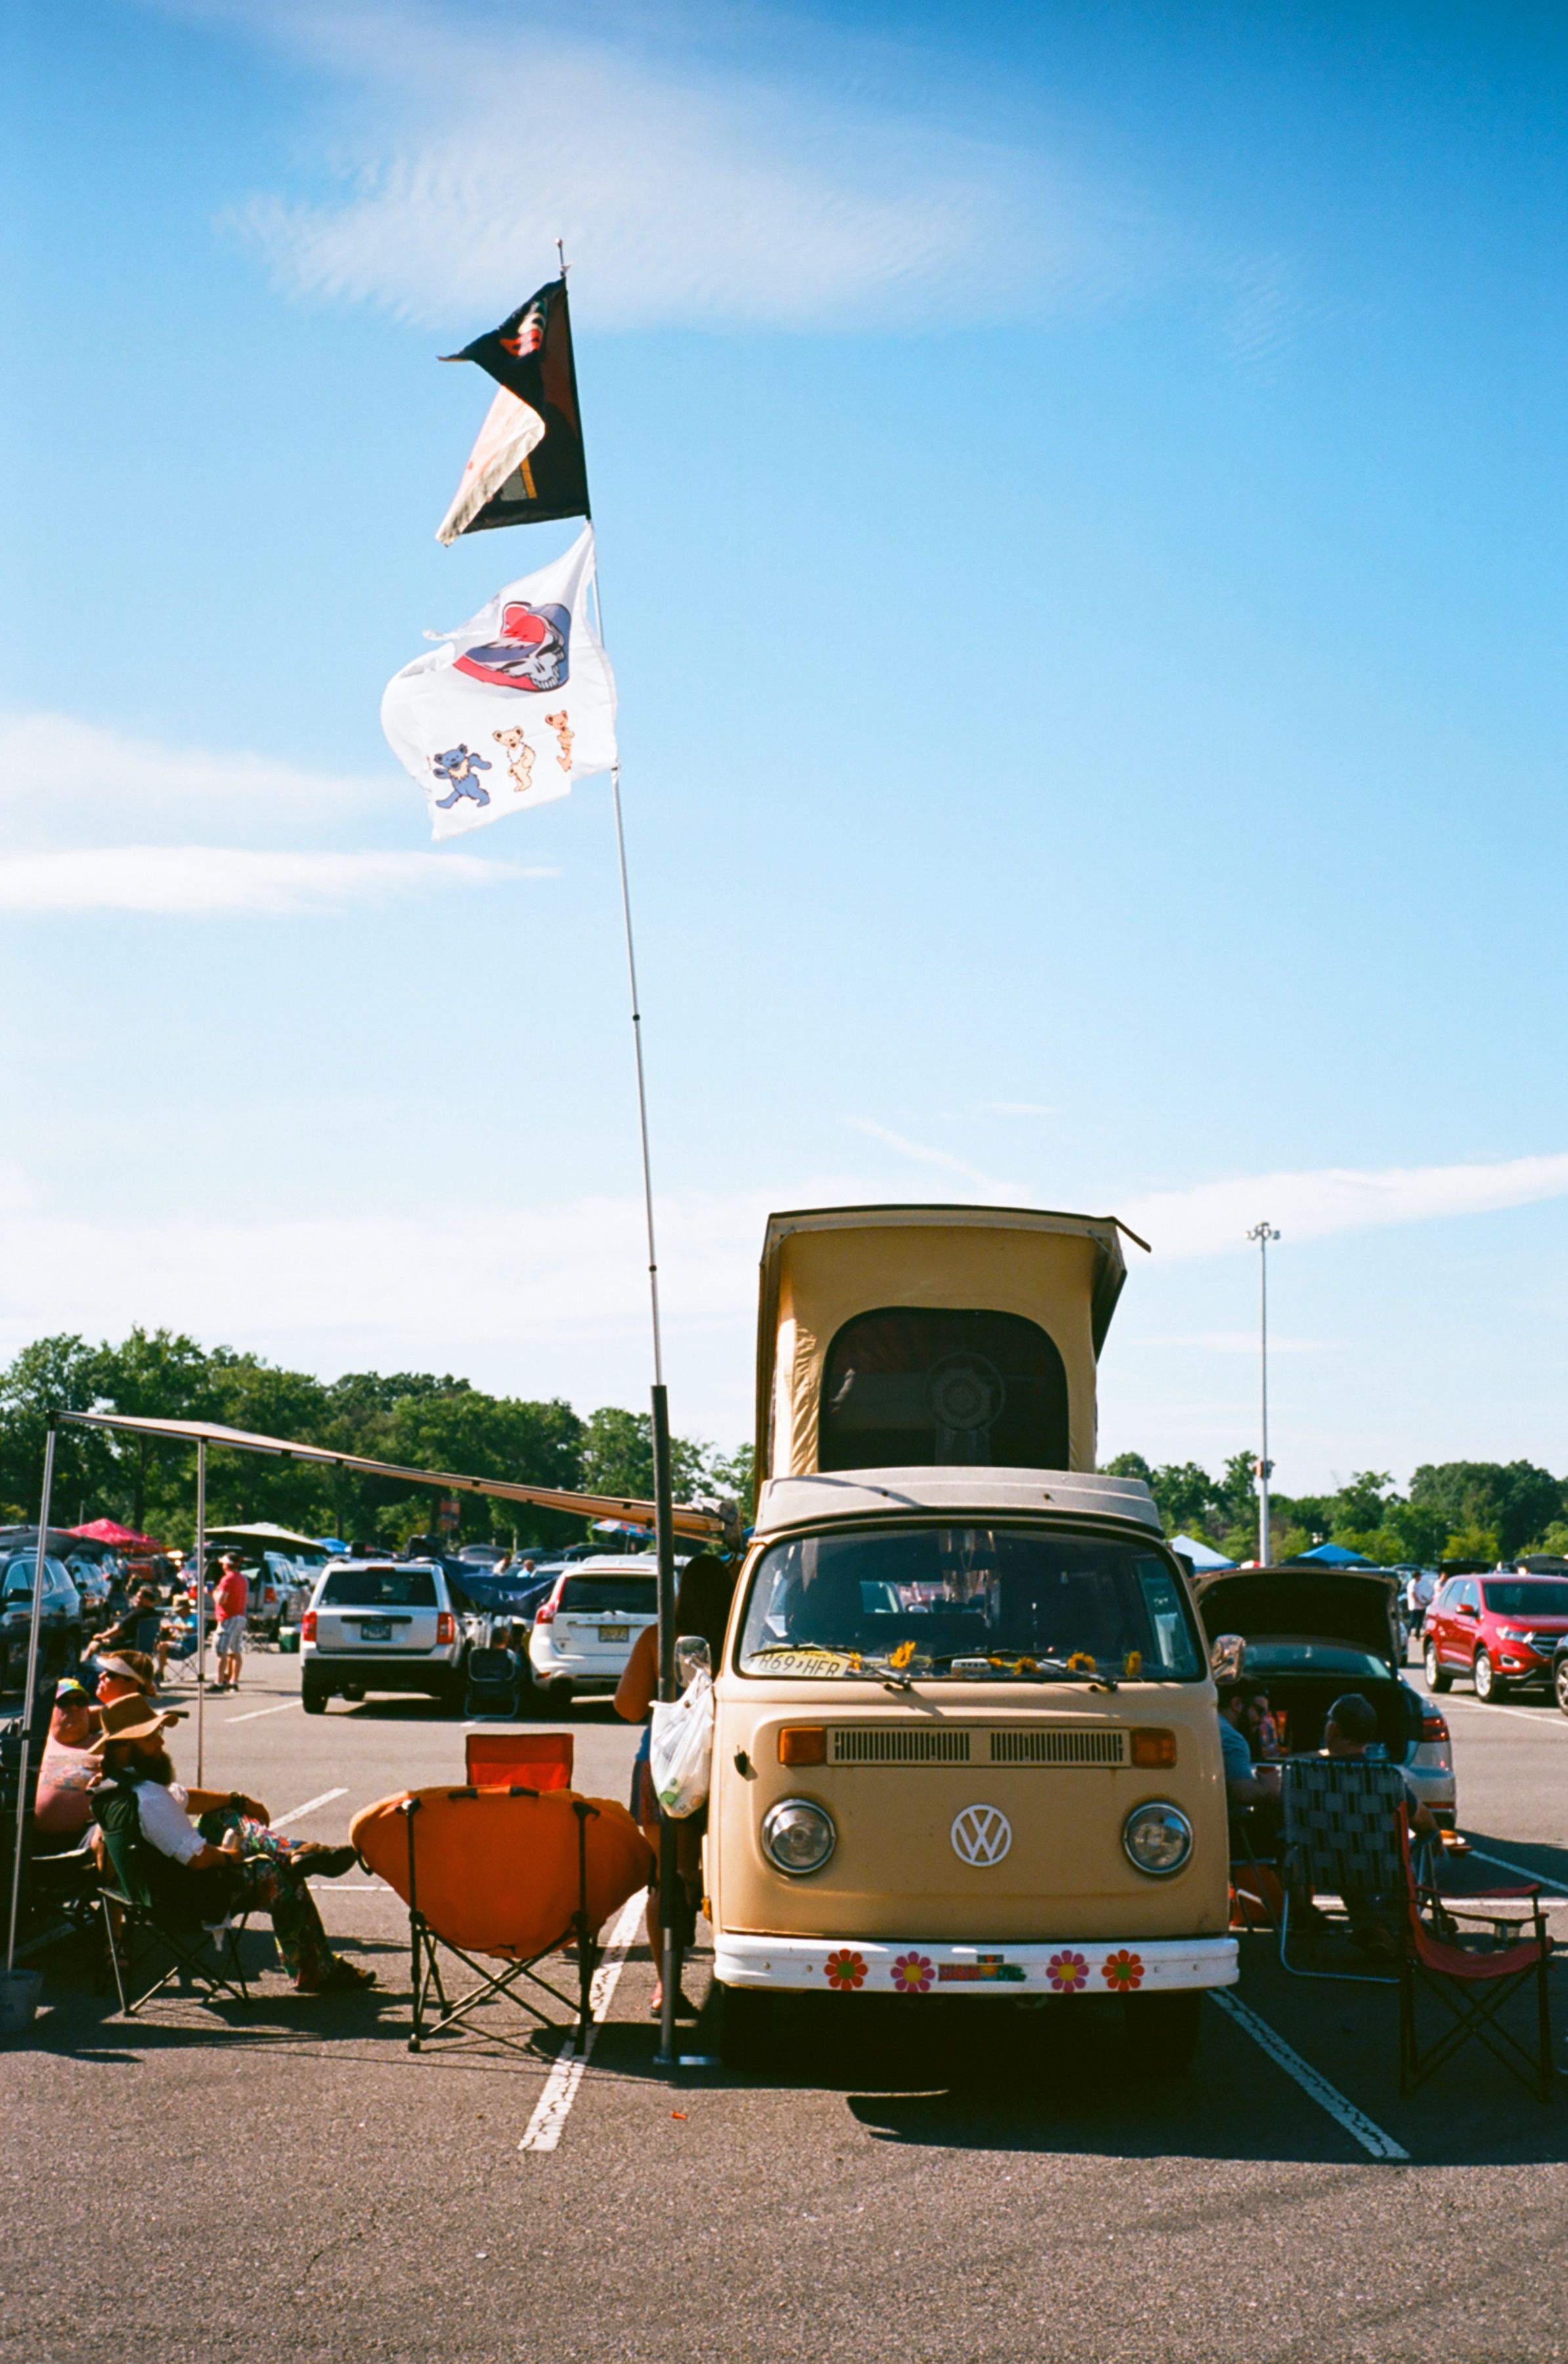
(967, 1603)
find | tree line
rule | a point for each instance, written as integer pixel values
(1454, 1510)
(410, 1417)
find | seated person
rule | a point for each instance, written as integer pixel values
(139, 1627)
(1351, 1733)
(1252, 1790)
(129, 1675)
(68, 1768)
(198, 1873)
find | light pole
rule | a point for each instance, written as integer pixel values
(1264, 1233)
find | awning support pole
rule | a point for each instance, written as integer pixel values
(671, 1902)
(200, 1612)
(30, 1692)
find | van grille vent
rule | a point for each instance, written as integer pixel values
(878, 1745)
(1093, 1747)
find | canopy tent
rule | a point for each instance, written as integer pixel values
(1329, 1555)
(1203, 1555)
(109, 1531)
(685, 1519)
(266, 1536)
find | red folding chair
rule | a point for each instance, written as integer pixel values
(527, 1760)
(1473, 1979)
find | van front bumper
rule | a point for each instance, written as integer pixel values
(1072, 1966)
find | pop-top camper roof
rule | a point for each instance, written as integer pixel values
(908, 1336)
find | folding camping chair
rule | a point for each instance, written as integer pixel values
(206, 1953)
(1474, 1979)
(426, 1943)
(541, 1760)
(1343, 1835)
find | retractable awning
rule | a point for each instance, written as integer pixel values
(688, 1519)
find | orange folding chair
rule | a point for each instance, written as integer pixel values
(533, 1760)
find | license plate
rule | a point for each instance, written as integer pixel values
(615, 1632)
(376, 1629)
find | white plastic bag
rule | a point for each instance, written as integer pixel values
(681, 1751)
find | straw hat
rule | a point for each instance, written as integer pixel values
(131, 1718)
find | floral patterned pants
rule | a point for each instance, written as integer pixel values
(274, 1881)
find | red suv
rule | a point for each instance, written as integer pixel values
(1502, 1631)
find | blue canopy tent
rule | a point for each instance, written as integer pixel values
(1329, 1556)
(1202, 1556)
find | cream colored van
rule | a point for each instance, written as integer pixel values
(966, 1741)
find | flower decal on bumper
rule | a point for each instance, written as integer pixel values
(912, 1973)
(846, 1970)
(1123, 1971)
(1068, 1972)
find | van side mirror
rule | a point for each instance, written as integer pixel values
(692, 1656)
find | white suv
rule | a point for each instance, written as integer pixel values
(381, 1625)
(584, 1632)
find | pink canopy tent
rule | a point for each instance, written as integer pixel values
(109, 1531)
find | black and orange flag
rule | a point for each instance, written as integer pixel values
(528, 465)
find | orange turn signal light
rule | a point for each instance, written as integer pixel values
(802, 1744)
(1152, 1746)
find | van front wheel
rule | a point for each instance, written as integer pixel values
(1161, 2034)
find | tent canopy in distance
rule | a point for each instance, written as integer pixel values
(1203, 1555)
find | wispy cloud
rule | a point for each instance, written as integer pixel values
(943, 1158)
(69, 766)
(186, 880)
(787, 190)
(1213, 1217)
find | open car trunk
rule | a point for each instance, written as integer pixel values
(1301, 1704)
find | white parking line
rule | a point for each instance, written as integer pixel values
(1519, 1870)
(554, 2105)
(1371, 2138)
(296, 1813)
(1543, 1719)
(251, 1716)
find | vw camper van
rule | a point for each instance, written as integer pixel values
(965, 1740)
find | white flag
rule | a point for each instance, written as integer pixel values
(517, 704)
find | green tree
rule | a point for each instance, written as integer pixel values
(1512, 1500)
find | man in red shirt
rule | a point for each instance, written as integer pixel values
(231, 1600)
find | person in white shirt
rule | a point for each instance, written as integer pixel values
(202, 1874)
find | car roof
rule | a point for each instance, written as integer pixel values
(627, 1563)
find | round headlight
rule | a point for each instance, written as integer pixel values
(1158, 1839)
(798, 1836)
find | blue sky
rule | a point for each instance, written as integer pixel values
(1080, 506)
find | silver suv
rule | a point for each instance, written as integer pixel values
(383, 1625)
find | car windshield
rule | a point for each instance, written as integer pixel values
(379, 1587)
(952, 1603)
(1533, 1596)
(622, 1595)
(1278, 1657)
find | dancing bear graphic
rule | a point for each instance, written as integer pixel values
(519, 758)
(560, 724)
(458, 766)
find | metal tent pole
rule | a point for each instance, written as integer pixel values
(200, 1612)
(1264, 1233)
(664, 1533)
(30, 1692)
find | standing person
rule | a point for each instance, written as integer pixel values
(231, 1601)
(702, 1606)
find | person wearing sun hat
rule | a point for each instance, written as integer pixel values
(68, 1767)
(187, 1873)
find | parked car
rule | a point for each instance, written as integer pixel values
(1312, 1634)
(1504, 1632)
(60, 1619)
(585, 1629)
(383, 1625)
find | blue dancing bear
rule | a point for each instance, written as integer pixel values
(460, 766)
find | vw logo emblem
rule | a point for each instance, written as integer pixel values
(980, 1835)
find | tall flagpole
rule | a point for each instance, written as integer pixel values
(663, 1488)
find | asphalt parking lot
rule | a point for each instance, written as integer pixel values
(921, 2180)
